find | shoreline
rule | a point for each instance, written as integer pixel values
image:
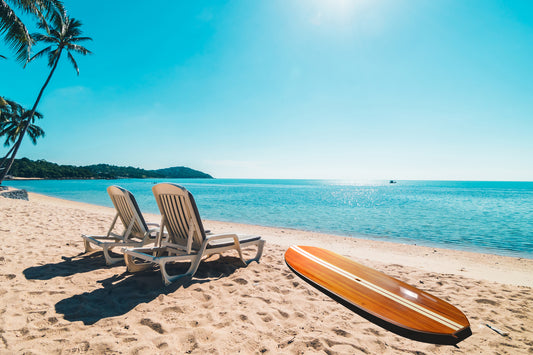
(366, 237)
(369, 237)
(56, 299)
(518, 270)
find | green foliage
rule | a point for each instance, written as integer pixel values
(182, 172)
(105, 171)
(62, 33)
(43, 169)
(13, 119)
(12, 28)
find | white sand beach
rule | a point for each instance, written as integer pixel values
(55, 301)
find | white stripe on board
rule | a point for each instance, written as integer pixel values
(405, 302)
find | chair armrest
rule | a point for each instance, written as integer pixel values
(209, 238)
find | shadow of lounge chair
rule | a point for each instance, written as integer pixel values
(186, 239)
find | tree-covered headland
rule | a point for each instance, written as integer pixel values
(43, 169)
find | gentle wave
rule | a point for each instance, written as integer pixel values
(490, 217)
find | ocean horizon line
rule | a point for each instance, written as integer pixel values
(16, 178)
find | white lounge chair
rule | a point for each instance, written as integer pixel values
(186, 240)
(136, 232)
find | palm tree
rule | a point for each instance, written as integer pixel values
(12, 121)
(63, 34)
(16, 33)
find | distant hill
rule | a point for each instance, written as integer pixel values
(182, 172)
(43, 169)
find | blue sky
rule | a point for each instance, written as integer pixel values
(326, 89)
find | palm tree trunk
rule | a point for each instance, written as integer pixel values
(6, 156)
(16, 147)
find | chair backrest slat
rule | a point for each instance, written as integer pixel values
(178, 207)
(128, 209)
(177, 230)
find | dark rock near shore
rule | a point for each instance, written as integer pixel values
(14, 194)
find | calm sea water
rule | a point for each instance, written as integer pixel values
(489, 217)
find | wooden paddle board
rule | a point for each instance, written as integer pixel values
(384, 300)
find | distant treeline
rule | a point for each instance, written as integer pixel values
(43, 169)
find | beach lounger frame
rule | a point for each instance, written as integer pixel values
(136, 230)
(185, 238)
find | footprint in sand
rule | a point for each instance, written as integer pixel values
(373, 331)
(153, 325)
(283, 314)
(299, 315)
(487, 301)
(341, 332)
(174, 309)
(266, 318)
(241, 281)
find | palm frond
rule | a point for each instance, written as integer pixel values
(37, 115)
(35, 132)
(63, 32)
(78, 49)
(80, 39)
(41, 53)
(53, 56)
(13, 119)
(51, 5)
(39, 37)
(73, 61)
(16, 34)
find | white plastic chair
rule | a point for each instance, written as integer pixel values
(186, 239)
(136, 232)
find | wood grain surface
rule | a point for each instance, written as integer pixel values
(389, 302)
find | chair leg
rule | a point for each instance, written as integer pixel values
(260, 245)
(133, 267)
(88, 247)
(238, 248)
(168, 279)
(109, 260)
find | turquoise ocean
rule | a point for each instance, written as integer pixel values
(486, 217)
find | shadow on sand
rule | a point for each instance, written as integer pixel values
(70, 266)
(121, 293)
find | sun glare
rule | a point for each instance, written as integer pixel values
(335, 11)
